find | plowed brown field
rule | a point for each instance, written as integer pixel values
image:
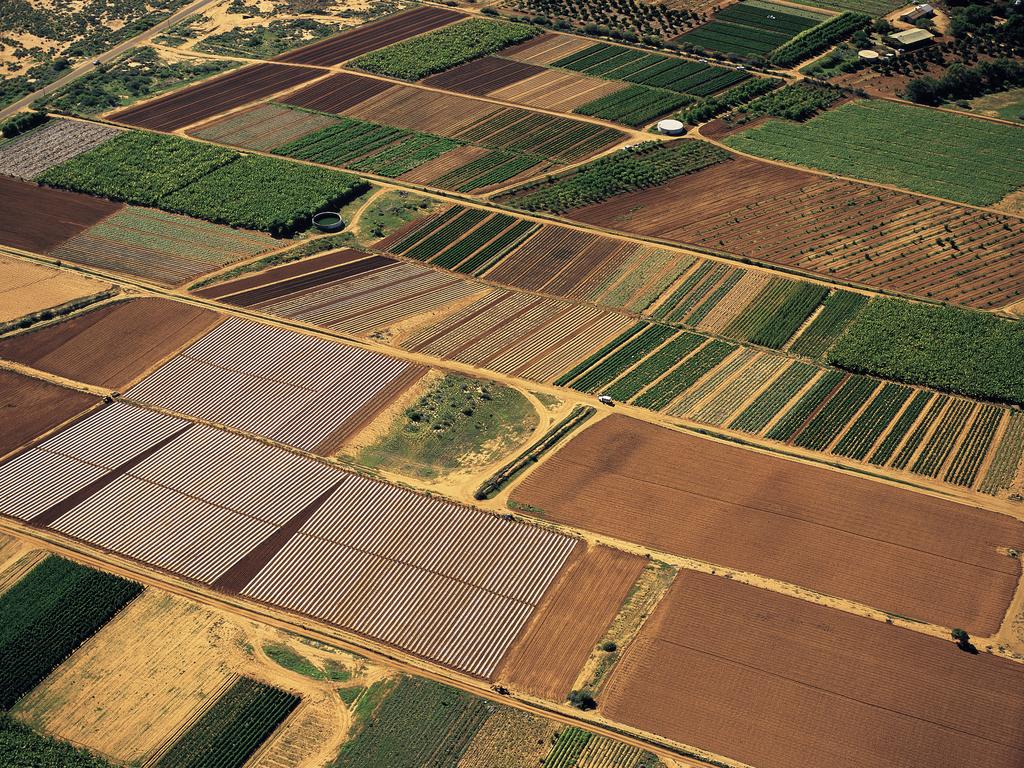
(547, 48)
(211, 97)
(777, 682)
(39, 218)
(849, 537)
(30, 407)
(573, 617)
(369, 37)
(840, 229)
(481, 76)
(113, 345)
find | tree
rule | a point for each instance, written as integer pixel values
(582, 700)
(963, 640)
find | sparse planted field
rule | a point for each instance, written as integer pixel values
(51, 144)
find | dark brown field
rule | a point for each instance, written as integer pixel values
(777, 682)
(29, 407)
(369, 37)
(484, 75)
(570, 621)
(337, 93)
(839, 229)
(39, 218)
(114, 345)
(283, 272)
(211, 97)
(899, 551)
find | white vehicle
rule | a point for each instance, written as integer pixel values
(606, 400)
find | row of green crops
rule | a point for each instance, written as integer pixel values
(799, 101)
(636, 105)
(418, 723)
(645, 165)
(654, 70)
(21, 747)
(457, 253)
(843, 406)
(567, 748)
(759, 413)
(486, 170)
(837, 312)
(713, 106)
(47, 615)
(655, 365)
(956, 350)
(685, 375)
(937, 153)
(1006, 461)
(232, 728)
(750, 29)
(870, 425)
(677, 306)
(350, 140)
(549, 136)
(812, 399)
(206, 182)
(817, 39)
(600, 354)
(448, 234)
(627, 355)
(777, 313)
(444, 48)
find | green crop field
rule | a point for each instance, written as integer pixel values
(936, 153)
(21, 747)
(47, 615)
(232, 729)
(922, 344)
(751, 29)
(444, 48)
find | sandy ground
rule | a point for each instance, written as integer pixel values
(26, 288)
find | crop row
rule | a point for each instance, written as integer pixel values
(655, 365)
(636, 105)
(1006, 460)
(837, 312)
(486, 257)
(720, 407)
(831, 420)
(778, 19)
(938, 447)
(778, 313)
(232, 728)
(47, 615)
(457, 253)
(618, 361)
(727, 37)
(567, 748)
(964, 466)
(807, 405)
(600, 354)
(443, 49)
(869, 426)
(817, 39)
(685, 375)
(710, 383)
(891, 442)
(428, 227)
(756, 416)
(447, 234)
(936, 408)
(645, 165)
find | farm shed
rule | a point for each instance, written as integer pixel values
(923, 11)
(911, 38)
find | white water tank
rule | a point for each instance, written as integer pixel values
(671, 128)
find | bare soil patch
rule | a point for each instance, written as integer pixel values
(29, 407)
(26, 288)
(37, 219)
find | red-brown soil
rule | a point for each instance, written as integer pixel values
(369, 37)
(573, 617)
(39, 218)
(839, 229)
(211, 97)
(337, 93)
(29, 407)
(841, 535)
(484, 75)
(283, 272)
(113, 345)
(777, 682)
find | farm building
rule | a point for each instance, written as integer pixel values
(923, 11)
(911, 38)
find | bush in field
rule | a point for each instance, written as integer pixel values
(443, 49)
(582, 700)
(956, 350)
(138, 167)
(257, 192)
(642, 166)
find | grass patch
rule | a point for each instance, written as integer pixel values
(289, 659)
(391, 210)
(457, 421)
(21, 747)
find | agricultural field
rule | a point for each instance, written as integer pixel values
(322, 391)
(111, 345)
(33, 407)
(213, 96)
(806, 680)
(51, 144)
(822, 520)
(131, 494)
(836, 229)
(857, 139)
(28, 290)
(751, 28)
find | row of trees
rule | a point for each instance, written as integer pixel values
(962, 82)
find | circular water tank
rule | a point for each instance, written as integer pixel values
(868, 54)
(671, 128)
